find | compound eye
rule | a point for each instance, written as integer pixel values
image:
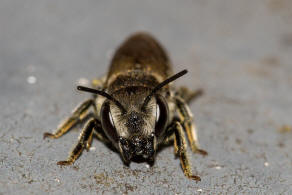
(161, 115)
(107, 122)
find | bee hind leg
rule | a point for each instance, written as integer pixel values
(79, 113)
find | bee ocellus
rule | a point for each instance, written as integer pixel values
(136, 108)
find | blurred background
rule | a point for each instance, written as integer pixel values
(239, 52)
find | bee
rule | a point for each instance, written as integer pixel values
(136, 109)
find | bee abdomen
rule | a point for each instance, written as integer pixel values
(142, 55)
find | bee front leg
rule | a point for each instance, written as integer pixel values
(185, 117)
(84, 141)
(79, 113)
(99, 134)
(180, 148)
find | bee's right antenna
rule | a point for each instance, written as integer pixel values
(104, 94)
(162, 84)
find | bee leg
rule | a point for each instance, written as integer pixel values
(185, 117)
(170, 140)
(84, 138)
(89, 141)
(98, 83)
(79, 113)
(98, 132)
(189, 95)
(181, 150)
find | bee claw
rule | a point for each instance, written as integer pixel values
(194, 177)
(202, 152)
(64, 163)
(50, 135)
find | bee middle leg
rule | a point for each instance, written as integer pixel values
(84, 141)
(188, 125)
(189, 95)
(180, 148)
(78, 114)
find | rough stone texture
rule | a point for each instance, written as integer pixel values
(238, 51)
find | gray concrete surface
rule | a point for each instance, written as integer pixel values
(238, 51)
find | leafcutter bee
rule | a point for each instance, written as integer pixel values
(135, 107)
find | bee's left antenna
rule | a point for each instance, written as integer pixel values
(104, 94)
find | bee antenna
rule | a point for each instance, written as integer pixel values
(104, 94)
(162, 84)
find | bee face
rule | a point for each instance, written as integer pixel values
(138, 146)
(136, 131)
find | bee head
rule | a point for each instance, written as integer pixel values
(135, 131)
(134, 118)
